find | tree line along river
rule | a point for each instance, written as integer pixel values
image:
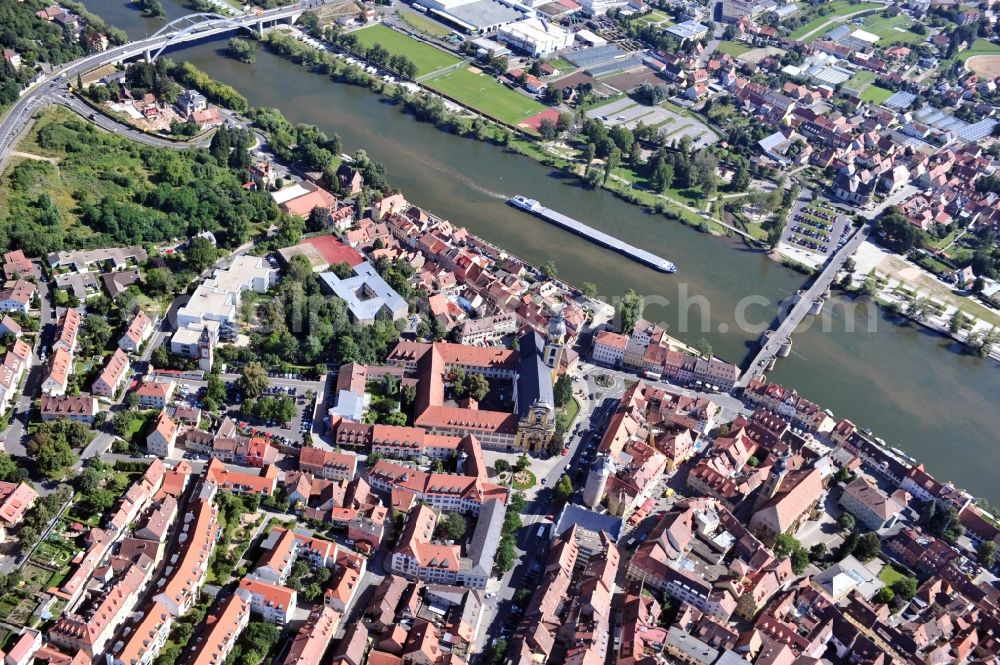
(913, 388)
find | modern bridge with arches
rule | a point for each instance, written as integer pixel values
(198, 26)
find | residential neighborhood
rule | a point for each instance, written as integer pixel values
(471, 499)
(258, 404)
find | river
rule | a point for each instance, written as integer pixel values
(911, 387)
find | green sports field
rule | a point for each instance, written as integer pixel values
(840, 8)
(734, 49)
(875, 94)
(863, 82)
(427, 58)
(482, 92)
(892, 30)
(861, 79)
(979, 47)
(656, 18)
(421, 23)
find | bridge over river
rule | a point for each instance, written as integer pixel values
(185, 29)
(777, 342)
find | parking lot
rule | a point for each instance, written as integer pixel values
(322, 46)
(816, 227)
(305, 395)
(670, 123)
(290, 433)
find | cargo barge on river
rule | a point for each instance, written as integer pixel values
(599, 237)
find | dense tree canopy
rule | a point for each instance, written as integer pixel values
(242, 49)
(124, 193)
(52, 445)
(219, 93)
(897, 232)
(10, 470)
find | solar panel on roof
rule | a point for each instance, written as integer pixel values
(900, 100)
(594, 56)
(978, 131)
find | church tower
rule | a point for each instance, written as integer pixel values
(772, 484)
(555, 343)
(205, 351)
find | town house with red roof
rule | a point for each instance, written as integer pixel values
(273, 602)
(113, 375)
(162, 440)
(138, 331)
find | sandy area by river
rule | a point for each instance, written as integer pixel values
(872, 257)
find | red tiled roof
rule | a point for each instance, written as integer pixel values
(611, 339)
(159, 389)
(67, 405)
(303, 205)
(114, 370)
(244, 481)
(144, 635)
(137, 327)
(59, 366)
(15, 499)
(15, 262)
(314, 637)
(166, 427)
(274, 594)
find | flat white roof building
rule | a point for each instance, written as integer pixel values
(288, 193)
(186, 341)
(589, 38)
(535, 36)
(208, 304)
(476, 16)
(865, 36)
(688, 30)
(350, 406)
(600, 7)
(214, 304)
(217, 299)
(859, 40)
(247, 273)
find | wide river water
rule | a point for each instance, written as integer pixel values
(913, 388)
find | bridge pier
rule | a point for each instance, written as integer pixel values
(149, 56)
(260, 28)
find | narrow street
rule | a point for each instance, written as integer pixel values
(14, 438)
(597, 404)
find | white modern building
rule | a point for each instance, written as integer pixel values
(600, 7)
(688, 30)
(217, 298)
(214, 305)
(859, 40)
(367, 295)
(535, 37)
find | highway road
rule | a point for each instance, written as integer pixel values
(71, 101)
(52, 88)
(57, 92)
